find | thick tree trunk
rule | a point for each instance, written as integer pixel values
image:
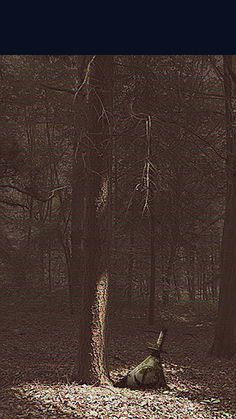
(224, 341)
(90, 227)
(152, 219)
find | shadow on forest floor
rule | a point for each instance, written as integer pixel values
(38, 350)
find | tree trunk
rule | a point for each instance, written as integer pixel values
(131, 264)
(152, 285)
(224, 340)
(167, 283)
(152, 220)
(90, 227)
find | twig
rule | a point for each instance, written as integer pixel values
(58, 89)
(85, 78)
(14, 204)
(16, 188)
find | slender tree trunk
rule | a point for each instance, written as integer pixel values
(31, 203)
(167, 284)
(65, 217)
(224, 340)
(130, 265)
(152, 287)
(31, 146)
(177, 288)
(191, 276)
(90, 227)
(50, 283)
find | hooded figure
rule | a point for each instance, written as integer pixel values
(148, 374)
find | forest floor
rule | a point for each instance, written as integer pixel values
(38, 350)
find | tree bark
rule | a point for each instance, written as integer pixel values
(90, 227)
(224, 340)
(131, 264)
(152, 284)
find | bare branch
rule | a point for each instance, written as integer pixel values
(58, 89)
(13, 204)
(191, 131)
(29, 193)
(217, 70)
(85, 78)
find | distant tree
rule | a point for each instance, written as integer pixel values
(224, 344)
(35, 154)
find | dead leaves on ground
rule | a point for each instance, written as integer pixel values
(35, 371)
